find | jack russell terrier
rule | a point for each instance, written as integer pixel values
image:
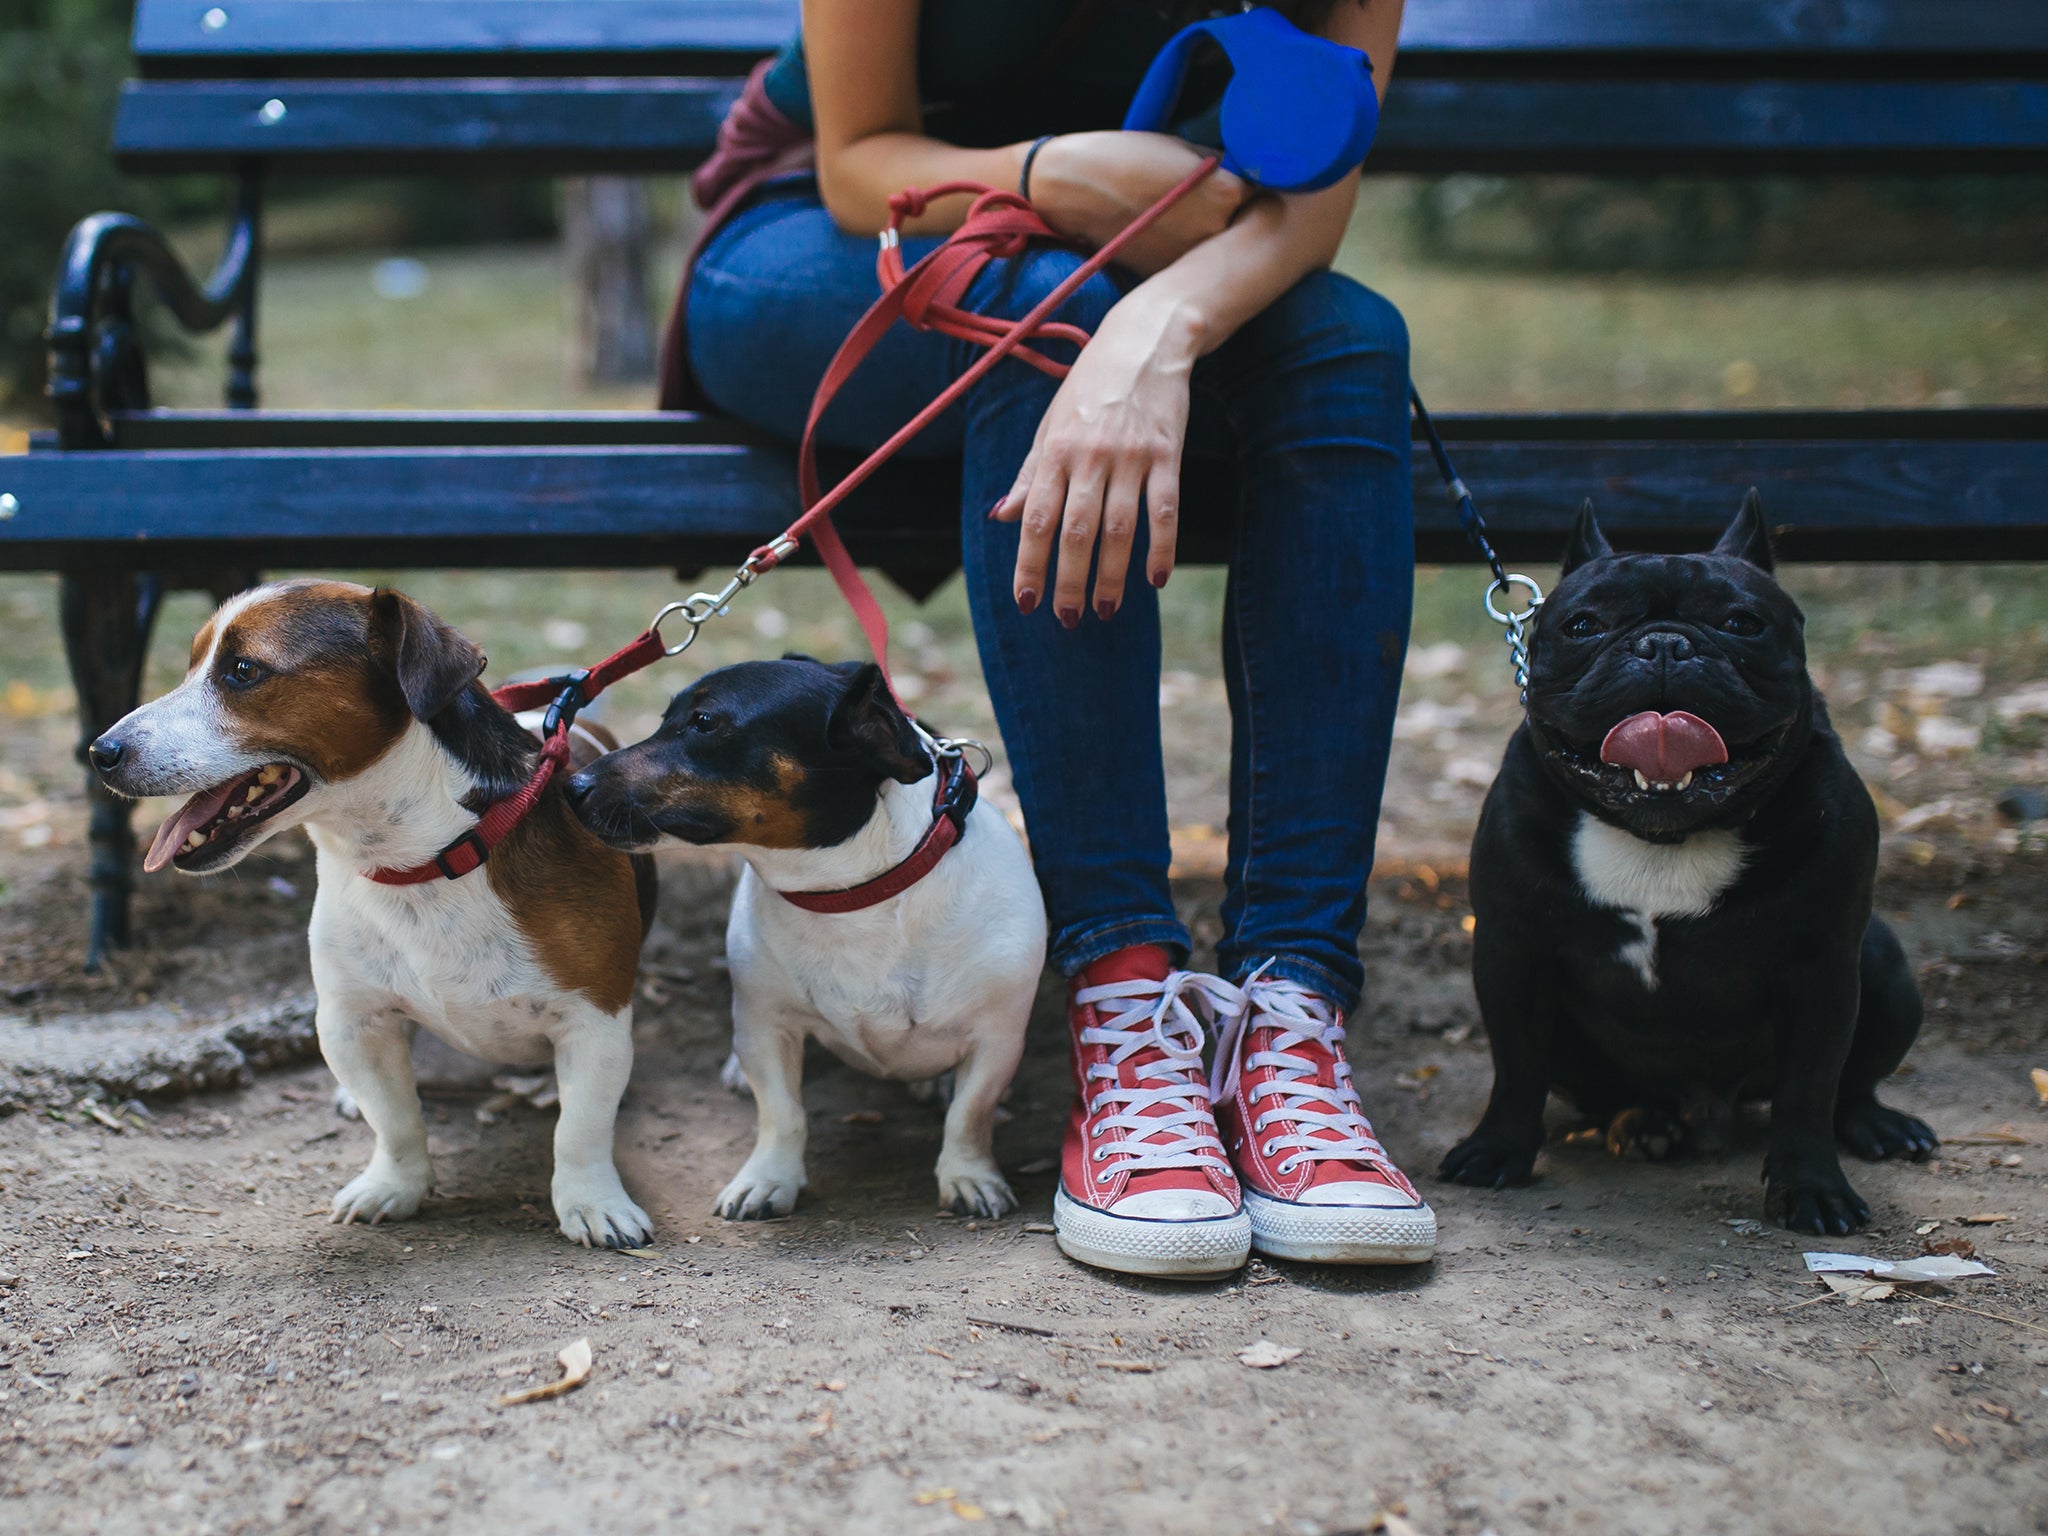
(358, 715)
(853, 923)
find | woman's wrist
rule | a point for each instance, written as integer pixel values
(1174, 323)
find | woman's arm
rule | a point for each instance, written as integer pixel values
(861, 58)
(1114, 433)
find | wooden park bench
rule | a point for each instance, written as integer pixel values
(125, 500)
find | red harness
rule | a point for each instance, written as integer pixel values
(999, 224)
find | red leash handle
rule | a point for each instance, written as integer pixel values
(999, 224)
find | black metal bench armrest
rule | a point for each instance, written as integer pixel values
(96, 359)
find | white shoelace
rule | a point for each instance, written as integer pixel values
(1162, 1015)
(1330, 1123)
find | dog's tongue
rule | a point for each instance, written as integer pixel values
(193, 814)
(1663, 748)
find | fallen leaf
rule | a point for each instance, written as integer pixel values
(834, 1385)
(1044, 1228)
(1130, 1367)
(935, 1496)
(1954, 1247)
(575, 1362)
(1265, 1355)
(1992, 1410)
(1984, 1219)
(639, 1253)
(1951, 1439)
(968, 1511)
(1924, 1228)
(1859, 1287)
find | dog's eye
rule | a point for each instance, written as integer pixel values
(241, 672)
(1744, 623)
(703, 722)
(1583, 626)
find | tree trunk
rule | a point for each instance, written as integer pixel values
(605, 234)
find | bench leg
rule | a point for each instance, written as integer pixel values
(107, 617)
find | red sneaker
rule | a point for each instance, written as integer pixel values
(1145, 1188)
(1317, 1183)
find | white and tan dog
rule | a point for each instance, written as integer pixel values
(357, 714)
(844, 929)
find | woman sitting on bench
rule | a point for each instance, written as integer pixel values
(1225, 334)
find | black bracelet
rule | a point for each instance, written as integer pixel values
(1030, 155)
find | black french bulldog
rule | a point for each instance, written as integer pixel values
(1672, 883)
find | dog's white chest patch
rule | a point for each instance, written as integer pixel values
(1646, 882)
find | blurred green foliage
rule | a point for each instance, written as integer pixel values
(61, 65)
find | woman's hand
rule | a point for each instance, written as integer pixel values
(1088, 186)
(1111, 438)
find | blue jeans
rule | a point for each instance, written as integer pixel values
(1310, 401)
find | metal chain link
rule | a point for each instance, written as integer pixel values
(1515, 621)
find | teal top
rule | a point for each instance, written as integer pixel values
(1001, 71)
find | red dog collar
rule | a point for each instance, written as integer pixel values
(951, 802)
(564, 696)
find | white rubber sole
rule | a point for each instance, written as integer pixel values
(1131, 1245)
(1341, 1234)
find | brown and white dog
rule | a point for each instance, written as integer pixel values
(358, 715)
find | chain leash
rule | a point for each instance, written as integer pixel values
(1514, 622)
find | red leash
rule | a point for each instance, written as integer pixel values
(999, 224)
(564, 696)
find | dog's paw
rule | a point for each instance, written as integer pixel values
(1874, 1133)
(1489, 1161)
(765, 1186)
(1818, 1202)
(733, 1078)
(381, 1192)
(974, 1189)
(596, 1211)
(1646, 1133)
(345, 1104)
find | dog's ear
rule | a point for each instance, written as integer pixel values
(431, 662)
(1747, 538)
(869, 724)
(1587, 541)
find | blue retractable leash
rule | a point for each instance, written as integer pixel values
(1298, 115)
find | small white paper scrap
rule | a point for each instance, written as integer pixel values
(1908, 1271)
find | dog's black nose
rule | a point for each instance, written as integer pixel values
(1663, 643)
(578, 786)
(105, 754)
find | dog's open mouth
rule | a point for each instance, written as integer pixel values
(1665, 759)
(208, 826)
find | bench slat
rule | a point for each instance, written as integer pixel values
(693, 504)
(176, 35)
(636, 123)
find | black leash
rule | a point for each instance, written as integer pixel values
(1514, 621)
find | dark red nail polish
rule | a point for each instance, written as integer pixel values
(992, 511)
(1070, 617)
(1027, 601)
(1105, 610)
(1159, 578)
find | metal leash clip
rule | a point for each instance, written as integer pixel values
(1514, 624)
(699, 608)
(974, 753)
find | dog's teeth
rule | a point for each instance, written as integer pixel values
(1641, 781)
(270, 775)
(194, 840)
(255, 793)
(234, 813)
(1686, 782)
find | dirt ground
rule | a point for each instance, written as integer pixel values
(189, 1345)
